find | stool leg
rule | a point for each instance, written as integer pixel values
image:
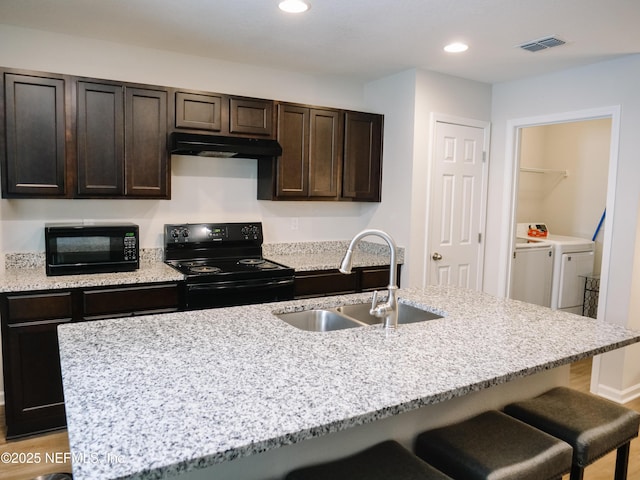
(576, 472)
(622, 462)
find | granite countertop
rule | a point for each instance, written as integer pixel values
(307, 256)
(35, 278)
(171, 393)
(26, 271)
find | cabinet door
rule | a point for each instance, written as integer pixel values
(199, 111)
(100, 139)
(362, 171)
(34, 128)
(249, 116)
(325, 149)
(33, 381)
(293, 164)
(147, 158)
(35, 402)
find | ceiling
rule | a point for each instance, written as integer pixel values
(359, 39)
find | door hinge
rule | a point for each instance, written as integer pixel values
(484, 157)
(480, 238)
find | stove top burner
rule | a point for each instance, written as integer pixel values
(203, 269)
(251, 261)
(249, 267)
(191, 264)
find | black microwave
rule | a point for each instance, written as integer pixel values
(77, 248)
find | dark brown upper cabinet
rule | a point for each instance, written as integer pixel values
(198, 111)
(327, 154)
(122, 141)
(147, 168)
(100, 147)
(220, 114)
(71, 137)
(251, 116)
(311, 140)
(362, 176)
(33, 148)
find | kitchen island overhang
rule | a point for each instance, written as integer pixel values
(163, 395)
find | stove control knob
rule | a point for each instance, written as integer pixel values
(185, 232)
(175, 233)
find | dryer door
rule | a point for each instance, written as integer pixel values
(574, 267)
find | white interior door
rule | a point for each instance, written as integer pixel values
(457, 206)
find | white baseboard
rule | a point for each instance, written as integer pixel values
(618, 396)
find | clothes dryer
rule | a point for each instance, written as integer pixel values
(573, 260)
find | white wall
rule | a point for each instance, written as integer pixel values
(202, 189)
(409, 100)
(606, 84)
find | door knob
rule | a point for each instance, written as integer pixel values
(436, 256)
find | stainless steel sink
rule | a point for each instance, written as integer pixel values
(406, 313)
(319, 320)
(350, 316)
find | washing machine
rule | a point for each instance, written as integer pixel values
(532, 272)
(573, 260)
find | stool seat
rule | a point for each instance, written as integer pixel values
(494, 446)
(592, 425)
(385, 461)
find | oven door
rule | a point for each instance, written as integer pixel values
(242, 292)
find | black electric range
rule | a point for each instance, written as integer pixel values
(223, 265)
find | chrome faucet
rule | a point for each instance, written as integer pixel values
(388, 310)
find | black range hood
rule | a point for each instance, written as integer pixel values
(221, 146)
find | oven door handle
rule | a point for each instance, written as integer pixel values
(243, 285)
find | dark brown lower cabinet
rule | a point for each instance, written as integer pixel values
(31, 362)
(318, 283)
(34, 401)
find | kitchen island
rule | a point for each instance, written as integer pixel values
(238, 393)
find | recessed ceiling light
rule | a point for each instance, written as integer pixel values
(294, 6)
(456, 47)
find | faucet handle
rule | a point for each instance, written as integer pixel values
(374, 300)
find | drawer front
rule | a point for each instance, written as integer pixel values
(374, 278)
(130, 300)
(38, 307)
(327, 282)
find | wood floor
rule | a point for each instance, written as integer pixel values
(33, 456)
(52, 447)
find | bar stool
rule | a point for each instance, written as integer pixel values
(494, 446)
(384, 461)
(592, 425)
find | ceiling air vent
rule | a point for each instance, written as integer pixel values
(542, 44)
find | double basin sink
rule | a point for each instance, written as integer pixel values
(350, 316)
